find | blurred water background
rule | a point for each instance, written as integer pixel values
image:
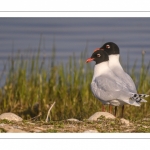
(74, 35)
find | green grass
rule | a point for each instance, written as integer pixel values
(31, 87)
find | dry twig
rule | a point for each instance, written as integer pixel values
(49, 112)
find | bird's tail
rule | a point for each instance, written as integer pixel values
(138, 97)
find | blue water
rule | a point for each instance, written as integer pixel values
(132, 35)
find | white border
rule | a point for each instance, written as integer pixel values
(74, 14)
(54, 8)
(75, 5)
(75, 135)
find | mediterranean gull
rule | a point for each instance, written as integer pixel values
(108, 87)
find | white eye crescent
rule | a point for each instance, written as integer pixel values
(107, 46)
(98, 55)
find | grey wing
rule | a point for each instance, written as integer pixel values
(127, 80)
(106, 88)
(130, 83)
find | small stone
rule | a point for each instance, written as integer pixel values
(73, 119)
(95, 116)
(6, 126)
(124, 121)
(90, 131)
(146, 119)
(10, 117)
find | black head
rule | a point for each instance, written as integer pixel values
(98, 57)
(110, 48)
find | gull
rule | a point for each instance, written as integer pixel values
(113, 51)
(108, 87)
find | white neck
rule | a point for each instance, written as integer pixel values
(100, 68)
(114, 61)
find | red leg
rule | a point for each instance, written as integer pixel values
(103, 108)
(115, 111)
(122, 111)
(110, 109)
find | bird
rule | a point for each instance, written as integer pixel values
(113, 52)
(109, 88)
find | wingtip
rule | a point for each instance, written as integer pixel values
(147, 95)
(143, 101)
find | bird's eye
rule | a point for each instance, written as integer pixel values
(98, 55)
(107, 46)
